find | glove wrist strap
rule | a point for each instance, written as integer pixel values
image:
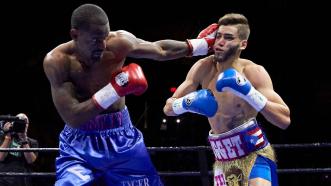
(105, 96)
(256, 99)
(177, 106)
(198, 46)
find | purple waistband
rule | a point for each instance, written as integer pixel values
(108, 121)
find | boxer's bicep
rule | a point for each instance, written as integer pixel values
(63, 91)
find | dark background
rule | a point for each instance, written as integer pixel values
(287, 38)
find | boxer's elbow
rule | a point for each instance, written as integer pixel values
(72, 120)
(284, 123)
(72, 123)
(285, 120)
(167, 110)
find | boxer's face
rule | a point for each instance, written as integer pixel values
(227, 43)
(92, 42)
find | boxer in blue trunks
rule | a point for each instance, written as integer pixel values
(109, 149)
(234, 90)
(99, 145)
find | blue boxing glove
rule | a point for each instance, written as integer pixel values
(201, 102)
(233, 81)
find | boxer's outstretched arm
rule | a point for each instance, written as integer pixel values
(70, 109)
(170, 49)
(159, 50)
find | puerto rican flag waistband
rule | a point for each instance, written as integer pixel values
(238, 142)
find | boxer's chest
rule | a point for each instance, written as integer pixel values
(87, 81)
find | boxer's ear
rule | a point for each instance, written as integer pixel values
(74, 33)
(243, 44)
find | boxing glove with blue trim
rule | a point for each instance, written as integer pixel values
(201, 102)
(233, 81)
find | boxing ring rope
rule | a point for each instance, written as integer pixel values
(182, 173)
(204, 172)
(178, 149)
